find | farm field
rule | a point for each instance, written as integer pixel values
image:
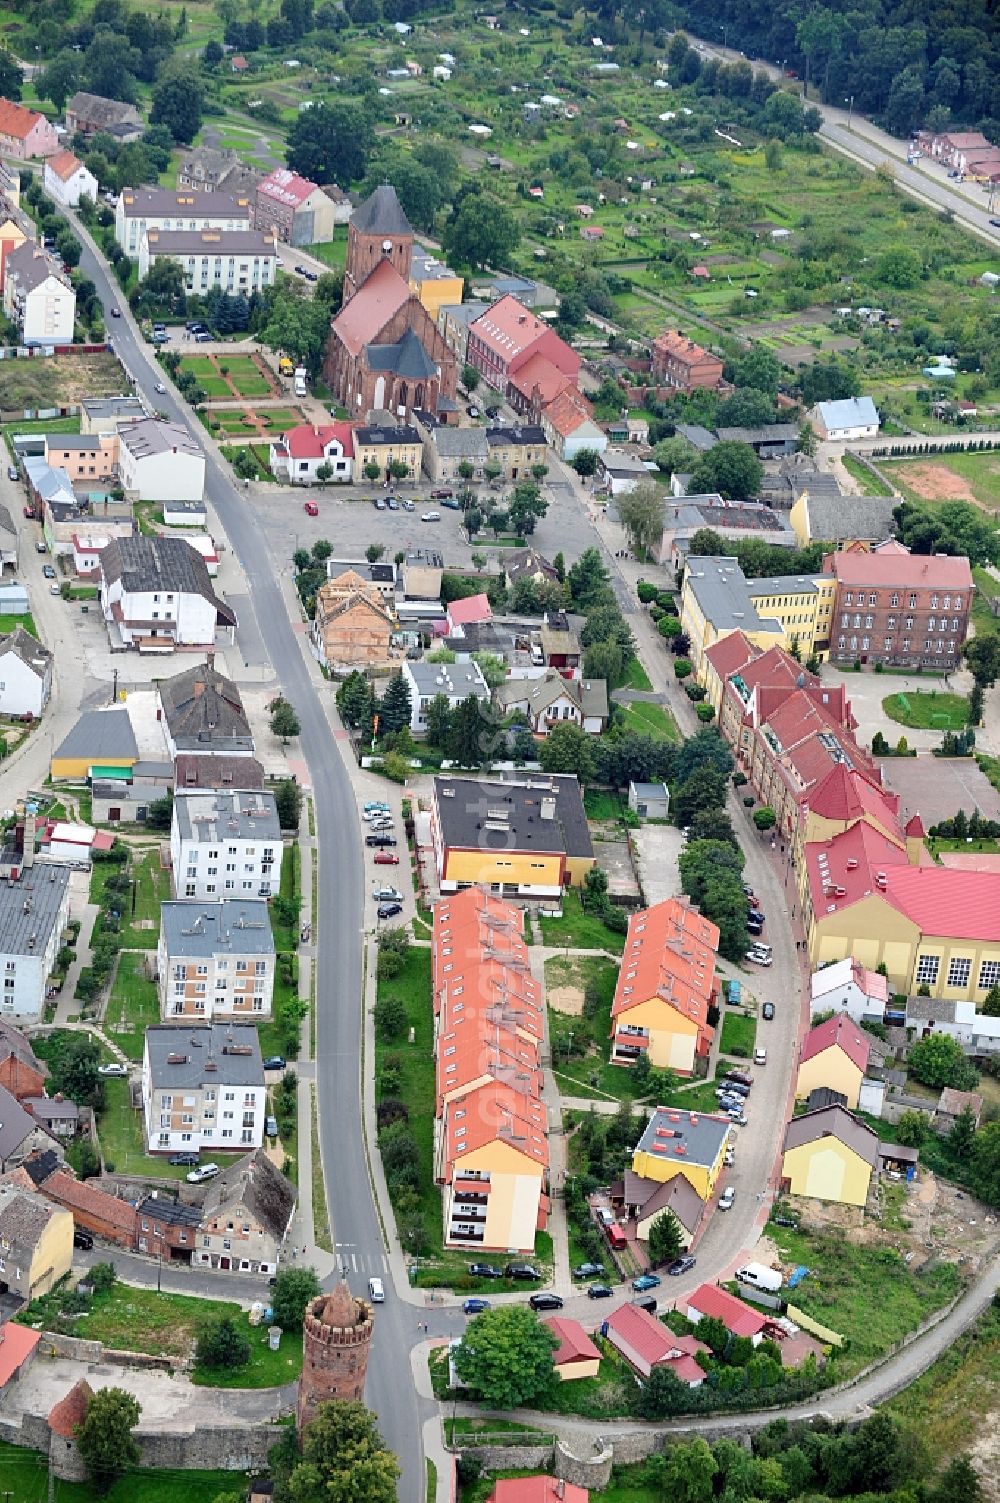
(948, 477)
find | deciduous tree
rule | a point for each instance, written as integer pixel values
(343, 1459)
(506, 1356)
(642, 512)
(567, 748)
(104, 1436)
(293, 1290)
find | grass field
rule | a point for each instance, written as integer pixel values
(739, 1034)
(650, 720)
(637, 677)
(927, 710)
(951, 1401)
(602, 803)
(586, 1073)
(948, 477)
(577, 930)
(57, 381)
(132, 1006)
(870, 484)
(26, 1476)
(246, 422)
(140, 921)
(10, 623)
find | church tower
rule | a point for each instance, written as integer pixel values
(337, 1337)
(379, 230)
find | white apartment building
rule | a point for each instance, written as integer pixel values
(215, 961)
(203, 1088)
(237, 261)
(225, 844)
(456, 681)
(156, 595)
(38, 297)
(142, 209)
(34, 909)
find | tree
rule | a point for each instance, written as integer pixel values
(372, 471)
(480, 232)
(395, 707)
(60, 79)
(438, 718)
(390, 1017)
(807, 440)
(666, 1239)
(470, 377)
(162, 289)
(912, 1129)
(284, 721)
(939, 1061)
(470, 734)
(958, 1483)
(331, 142)
(713, 824)
(293, 1289)
(493, 668)
(758, 368)
(984, 1167)
(374, 552)
(73, 1071)
(222, 1343)
(354, 700)
(991, 1003)
(684, 1472)
(506, 1356)
(178, 103)
(663, 1394)
(603, 660)
(159, 813)
(104, 1436)
(642, 512)
(765, 818)
(212, 54)
(288, 802)
(11, 76)
(730, 468)
(675, 456)
(704, 789)
(982, 655)
(584, 462)
(324, 472)
(962, 1135)
(527, 507)
(567, 748)
(588, 580)
(343, 1459)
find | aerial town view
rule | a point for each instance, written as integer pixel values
(499, 752)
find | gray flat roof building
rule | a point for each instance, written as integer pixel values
(112, 410)
(719, 587)
(99, 734)
(456, 680)
(30, 907)
(179, 1056)
(209, 817)
(240, 925)
(521, 812)
(688, 1137)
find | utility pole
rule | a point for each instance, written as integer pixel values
(114, 689)
(850, 110)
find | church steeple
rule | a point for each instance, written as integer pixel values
(379, 230)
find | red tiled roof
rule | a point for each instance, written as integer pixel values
(539, 371)
(496, 1113)
(886, 568)
(939, 900)
(16, 121)
(731, 653)
(508, 328)
(853, 860)
(839, 1032)
(574, 1343)
(71, 1410)
(365, 315)
(538, 1489)
(567, 412)
(79, 1195)
(64, 164)
(669, 953)
(677, 345)
(848, 794)
(471, 608)
(16, 1344)
(915, 827)
(737, 1317)
(646, 1335)
(309, 440)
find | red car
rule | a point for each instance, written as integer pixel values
(311, 509)
(442, 495)
(386, 858)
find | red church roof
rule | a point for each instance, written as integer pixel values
(377, 300)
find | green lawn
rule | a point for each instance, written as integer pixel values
(987, 588)
(577, 930)
(140, 921)
(26, 1477)
(11, 623)
(928, 710)
(956, 1398)
(650, 720)
(230, 451)
(120, 1130)
(603, 803)
(332, 252)
(738, 1035)
(636, 677)
(869, 483)
(585, 1071)
(132, 1006)
(45, 425)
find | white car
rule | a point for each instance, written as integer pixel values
(203, 1172)
(112, 1069)
(760, 1056)
(159, 387)
(759, 954)
(387, 894)
(726, 1199)
(430, 516)
(376, 1291)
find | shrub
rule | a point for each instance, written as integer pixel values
(705, 713)
(683, 667)
(646, 592)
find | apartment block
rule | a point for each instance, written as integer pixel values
(215, 961)
(203, 1088)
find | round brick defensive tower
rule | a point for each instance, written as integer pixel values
(337, 1337)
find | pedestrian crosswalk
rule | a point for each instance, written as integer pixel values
(352, 1260)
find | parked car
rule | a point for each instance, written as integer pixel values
(375, 803)
(727, 1198)
(54, 589)
(605, 1216)
(82, 1238)
(442, 494)
(430, 516)
(755, 923)
(588, 1270)
(681, 1265)
(378, 503)
(112, 1069)
(523, 1272)
(376, 1291)
(387, 894)
(767, 1011)
(475, 1305)
(473, 410)
(12, 472)
(758, 955)
(159, 387)
(271, 1126)
(204, 337)
(760, 1056)
(311, 509)
(485, 1271)
(48, 571)
(116, 313)
(452, 504)
(409, 505)
(41, 546)
(730, 1157)
(600, 1291)
(274, 1062)
(389, 910)
(743, 1076)
(379, 840)
(202, 1173)
(646, 1281)
(183, 1160)
(392, 503)
(386, 858)
(545, 1302)
(739, 1117)
(301, 270)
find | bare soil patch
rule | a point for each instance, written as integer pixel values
(935, 482)
(58, 381)
(566, 999)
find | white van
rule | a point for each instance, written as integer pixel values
(758, 1276)
(376, 1291)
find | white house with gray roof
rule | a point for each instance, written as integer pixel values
(34, 909)
(551, 700)
(203, 1088)
(25, 674)
(38, 297)
(215, 961)
(225, 844)
(455, 681)
(160, 461)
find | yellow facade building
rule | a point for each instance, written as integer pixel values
(829, 1155)
(100, 738)
(787, 611)
(384, 447)
(666, 988)
(493, 1159)
(525, 839)
(682, 1143)
(434, 283)
(834, 1054)
(36, 1239)
(845, 522)
(803, 607)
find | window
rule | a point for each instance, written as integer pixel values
(912, 602)
(888, 645)
(848, 598)
(894, 600)
(873, 599)
(909, 623)
(927, 969)
(989, 974)
(841, 643)
(891, 623)
(857, 621)
(865, 643)
(958, 971)
(934, 601)
(932, 622)
(869, 622)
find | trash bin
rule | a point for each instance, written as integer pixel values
(274, 1337)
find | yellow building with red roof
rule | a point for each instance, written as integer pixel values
(666, 988)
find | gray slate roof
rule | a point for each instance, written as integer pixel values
(835, 516)
(461, 802)
(721, 591)
(210, 242)
(24, 1216)
(460, 443)
(381, 214)
(202, 705)
(28, 648)
(461, 679)
(102, 113)
(257, 1184)
(40, 890)
(116, 407)
(376, 434)
(207, 770)
(15, 1124)
(407, 358)
(771, 433)
(13, 1042)
(99, 734)
(178, 1056)
(237, 926)
(161, 564)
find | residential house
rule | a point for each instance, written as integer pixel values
(34, 910)
(422, 569)
(447, 450)
(537, 1489)
(156, 595)
(551, 700)
(844, 420)
(21, 1073)
(576, 1356)
(675, 1143)
(353, 626)
(215, 960)
(67, 180)
(787, 611)
(471, 610)
(739, 1319)
(526, 838)
(769, 442)
(84, 457)
(644, 1199)
(952, 1104)
(106, 1216)
(505, 340)
(208, 770)
(851, 990)
(203, 1088)
(25, 133)
(620, 472)
(666, 988)
(516, 449)
(297, 456)
(559, 641)
(379, 447)
(848, 523)
(88, 114)
(37, 295)
(17, 1350)
(237, 262)
(140, 210)
(293, 209)
(646, 1343)
(977, 1032)
(206, 169)
(166, 1229)
(453, 320)
(202, 711)
(100, 738)
(59, 1117)
(246, 1218)
(568, 425)
(803, 606)
(829, 1155)
(15, 230)
(898, 608)
(679, 362)
(225, 844)
(110, 414)
(20, 1134)
(649, 800)
(160, 461)
(455, 681)
(25, 674)
(434, 283)
(36, 1241)
(834, 1054)
(528, 563)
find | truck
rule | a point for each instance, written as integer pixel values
(759, 1276)
(300, 381)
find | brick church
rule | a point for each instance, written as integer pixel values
(385, 351)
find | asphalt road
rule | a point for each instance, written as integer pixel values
(340, 892)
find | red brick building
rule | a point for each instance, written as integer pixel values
(681, 363)
(20, 1072)
(904, 609)
(337, 1338)
(519, 355)
(385, 351)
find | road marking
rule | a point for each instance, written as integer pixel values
(354, 1262)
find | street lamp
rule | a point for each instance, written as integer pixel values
(850, 110)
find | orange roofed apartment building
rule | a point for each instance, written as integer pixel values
(680, 362)
(491, 1145)
(666, 999)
